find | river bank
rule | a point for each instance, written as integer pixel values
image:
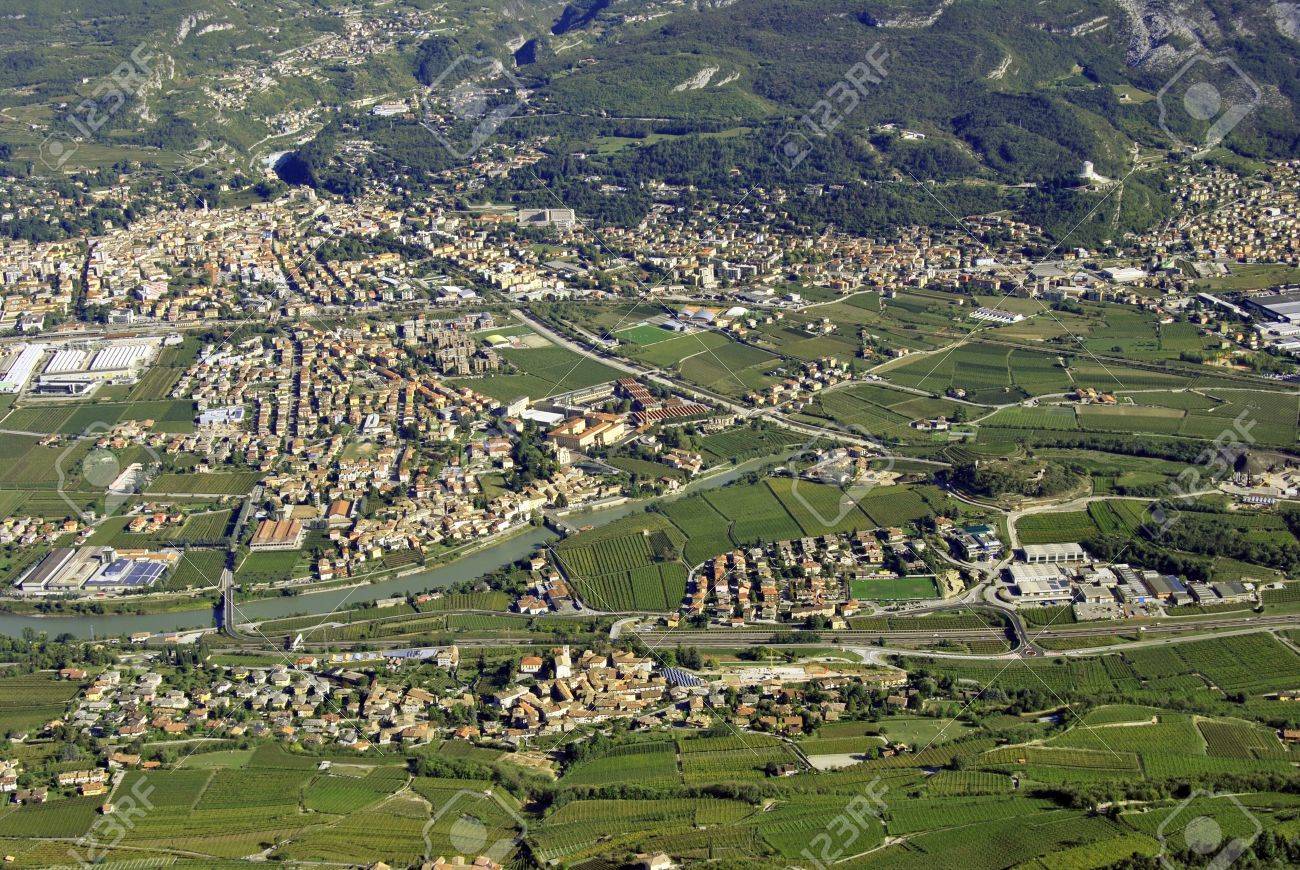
(490, 558)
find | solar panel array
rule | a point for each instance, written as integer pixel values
(679, 677)
(128, 572)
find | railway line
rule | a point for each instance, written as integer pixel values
(750, 636)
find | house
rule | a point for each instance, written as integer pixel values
(448, 657)
(80, 777)
(531, 605)
(655, 861)
(38, 795)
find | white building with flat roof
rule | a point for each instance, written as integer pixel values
(1053, 553)
(1124, 274)
(16, 370)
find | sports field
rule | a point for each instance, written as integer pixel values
(644, 334)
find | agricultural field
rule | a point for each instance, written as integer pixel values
(1034, 418)
(646, 469)
(755, 514)
(897, 506)
(168, 415)
(68, 818)
(819, 509)
(631, 564)
(1055, 527)
(989, 373)
(740, 444)
(197, 569)
(651, 763)
(710, 359)
(31, 700)
(640, 562)
(1100, 517)
(1252, 664)
(733, 758)
(883, 413)
(705, 528)
(268, 567)
(1268, 418)
(205, 483)
(540, 372)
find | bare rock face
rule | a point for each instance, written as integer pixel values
(1162, 34)
(911, 20)
(1286, 16)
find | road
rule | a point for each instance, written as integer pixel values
(229, 613)
(700, 395)
(629, 368)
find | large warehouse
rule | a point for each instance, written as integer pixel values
(1283, 305)
(17, 367)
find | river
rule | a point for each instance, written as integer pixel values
(485, 561)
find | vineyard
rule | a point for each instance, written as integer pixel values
(966, 782)
(1239, 739)
(1055, 527)
(607, 557)
(742, 444)
(631, 564)
(755, 514)
(648, 763)
(578, 825)
(1251, 664)
(61, 818)
(732, 758)
(819, 509)
(32, 700)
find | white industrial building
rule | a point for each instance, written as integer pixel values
(121, 357)
(16, 368)
(995, 315)
(1038, 554)
(1124, 274)
(66, 360)
(78, 369)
